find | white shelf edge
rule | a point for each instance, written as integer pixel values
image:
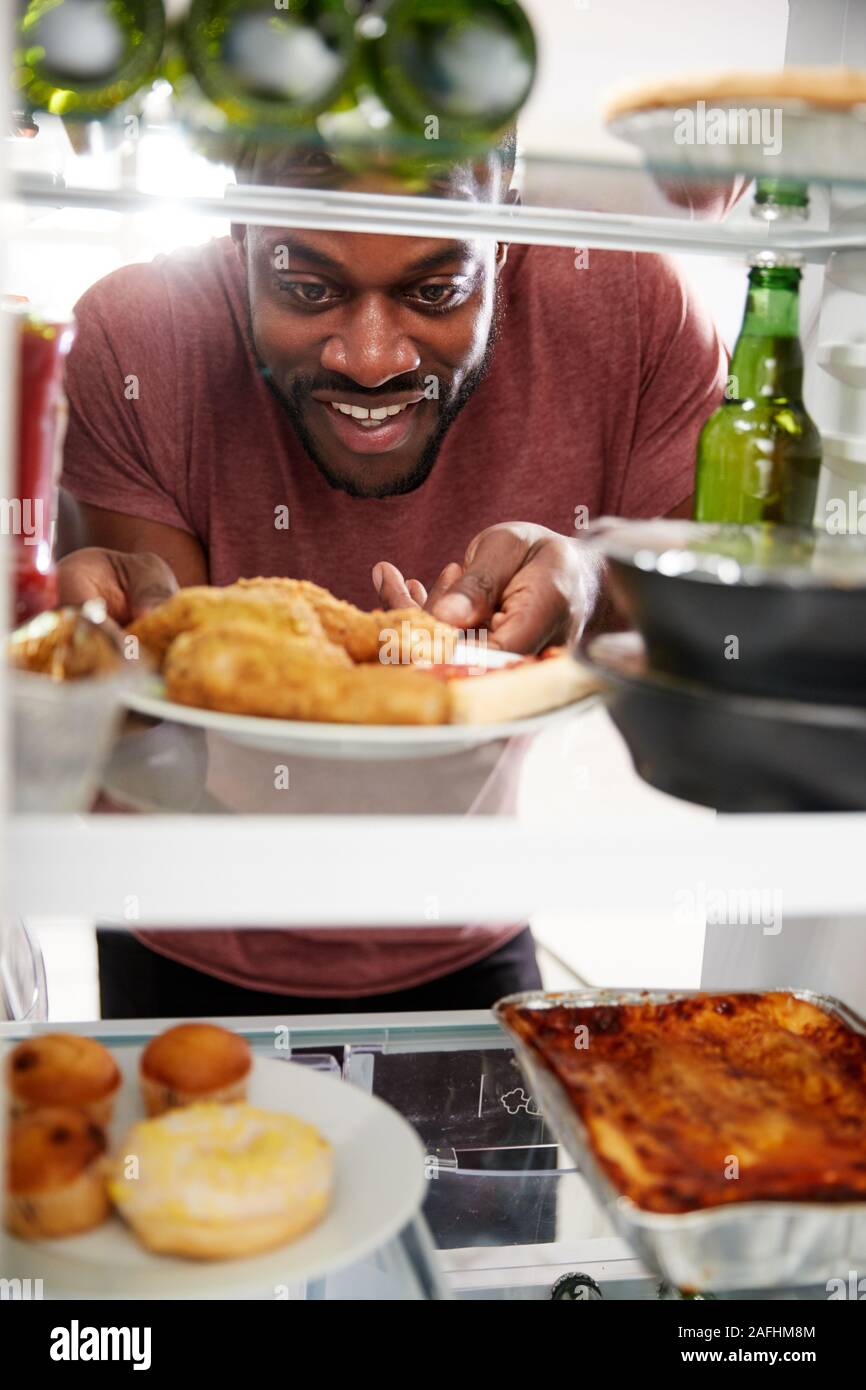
(396, 871)
(449, 218)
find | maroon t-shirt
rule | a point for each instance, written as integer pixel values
(600, 382)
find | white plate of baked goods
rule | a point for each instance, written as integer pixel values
(221, 1197)
(282, 665)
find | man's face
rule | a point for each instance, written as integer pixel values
(373, 343)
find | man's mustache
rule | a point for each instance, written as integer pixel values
(335, 382)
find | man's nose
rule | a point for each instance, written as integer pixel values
(370, 345)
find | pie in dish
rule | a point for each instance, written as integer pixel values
(288, 649)
(710, 1098)
(829, 87)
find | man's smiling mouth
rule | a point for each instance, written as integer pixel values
(368, 417)
(375, 428)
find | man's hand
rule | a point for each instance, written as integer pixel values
(130, 583)
(530, 587)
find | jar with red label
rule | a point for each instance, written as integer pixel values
(30, 514)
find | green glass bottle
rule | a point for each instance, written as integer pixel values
(452, 69)
(270, 65)
(780, 200)
(759, 454)
(82, 58)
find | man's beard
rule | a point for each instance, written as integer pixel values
(294, 399)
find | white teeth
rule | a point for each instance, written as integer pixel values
(368, 417)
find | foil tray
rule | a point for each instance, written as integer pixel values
(735, 1246)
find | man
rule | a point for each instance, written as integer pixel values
(434, 418)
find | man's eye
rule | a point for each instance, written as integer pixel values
(306, 292)
(436, 295)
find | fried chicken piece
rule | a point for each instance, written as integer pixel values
(255, 669)
(397, 635)
(268, 604)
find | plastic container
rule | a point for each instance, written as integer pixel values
(62, 733)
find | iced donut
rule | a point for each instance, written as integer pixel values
(215, 1181)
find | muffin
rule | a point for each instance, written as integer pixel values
(56, 1174)
(63, 1069)
(193, 1062)
(222, 1181)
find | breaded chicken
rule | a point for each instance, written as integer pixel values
(398, 635)
(267, 604)
(249, 668)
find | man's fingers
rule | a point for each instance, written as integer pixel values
(450, 574)
(147, 580)
(538, 608)
(526, 625)
(418, 592)
(491, 562)
(391, 587)
(88, 574)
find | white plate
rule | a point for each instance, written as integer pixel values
(357, 742)
(379, 1185)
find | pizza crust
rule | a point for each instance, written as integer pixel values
(517, 692)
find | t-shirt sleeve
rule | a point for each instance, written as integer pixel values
(121, 447)
(683, 369)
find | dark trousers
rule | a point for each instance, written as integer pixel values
(135, 982)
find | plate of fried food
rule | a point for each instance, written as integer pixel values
(192, 1168)
(284, 665)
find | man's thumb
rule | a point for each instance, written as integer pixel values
(149, 581)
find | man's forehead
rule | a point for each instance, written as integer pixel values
(318, 165)
(350, 251)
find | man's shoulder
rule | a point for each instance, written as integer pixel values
(195, 282)
(580, 293)
(587, 270)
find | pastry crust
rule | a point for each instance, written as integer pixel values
(63, 1069)
(828, 87)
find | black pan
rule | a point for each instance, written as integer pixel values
(732, 752)
(755, 610)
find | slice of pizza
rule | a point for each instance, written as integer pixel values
(515, 689)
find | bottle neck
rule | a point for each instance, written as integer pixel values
(768, 359)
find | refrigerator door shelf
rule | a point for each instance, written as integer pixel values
(847, 363)
(841, 505)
